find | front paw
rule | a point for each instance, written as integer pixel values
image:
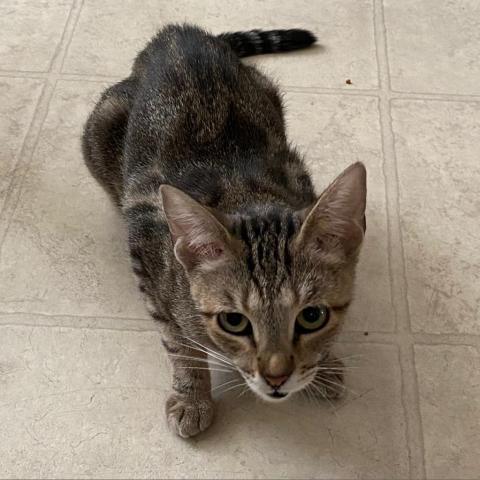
(329, 379)
(188, 416)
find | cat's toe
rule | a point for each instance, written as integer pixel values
(188, 416)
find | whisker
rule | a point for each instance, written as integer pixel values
(321, 381)
(223, 384)
(207, 352)
(313, 398)
(319, 390)
(337, 368)
(204, 368)
(211, 352)
(243, 392)
(232, 387)
(347, 357)
(197, 359)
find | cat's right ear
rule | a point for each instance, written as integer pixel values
(199, 239)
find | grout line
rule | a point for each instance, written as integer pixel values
(72, 315)
(104, 322)
(15, 74)
(25, 156)
(68, 36)
(414, 96)
(412, 338)
(58, 49)
(410, 396)
(78, 327)
(411, 401)
(32, 136)
(459, 96)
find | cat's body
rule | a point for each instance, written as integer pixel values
(192, 116)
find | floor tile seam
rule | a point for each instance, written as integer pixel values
(67, 40)
(409, 386)
(317, 90)
(412, 409)
(32, 139)
(73, 316)
(392, 337)
(15, 186)
(57, 54)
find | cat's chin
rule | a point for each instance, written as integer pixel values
(273, 397)
(276, 397)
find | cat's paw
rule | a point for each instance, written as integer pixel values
(330, 379)
(188, 416)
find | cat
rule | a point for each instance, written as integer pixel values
(234, 252)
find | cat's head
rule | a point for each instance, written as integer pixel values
(272, 286)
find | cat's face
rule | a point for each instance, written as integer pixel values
(272, 288)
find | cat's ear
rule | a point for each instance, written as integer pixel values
(198, 236)
(337, 220)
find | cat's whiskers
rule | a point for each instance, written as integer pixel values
(223, 384)
(337, 368)
(211, 351)
(348, 357)
(312, 397)
(198, 359)
(319, 390)
(204, 368)
(244, 391)
(232, 387)
(322, 381)
(204, 349)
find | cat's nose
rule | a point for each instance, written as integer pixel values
(276, 382)
(278, 369)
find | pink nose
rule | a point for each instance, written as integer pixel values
(276, 382)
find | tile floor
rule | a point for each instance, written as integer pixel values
(82, 373)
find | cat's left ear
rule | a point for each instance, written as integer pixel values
(336, 223)
(199, 238)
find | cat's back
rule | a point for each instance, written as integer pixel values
(195, 97)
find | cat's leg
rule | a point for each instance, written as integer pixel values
(189, 407)
(330, 377)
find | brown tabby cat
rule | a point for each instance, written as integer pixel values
(234, 253)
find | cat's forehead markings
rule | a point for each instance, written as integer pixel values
(253, 298)
(286, 297)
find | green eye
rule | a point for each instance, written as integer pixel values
(311, 319)
(234, 323)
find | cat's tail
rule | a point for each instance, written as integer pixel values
(257, 42)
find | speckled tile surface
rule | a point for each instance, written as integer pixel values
(83, 376)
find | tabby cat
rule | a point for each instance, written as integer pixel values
(235, 254)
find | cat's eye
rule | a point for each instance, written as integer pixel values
(311, 319)
(234, 323)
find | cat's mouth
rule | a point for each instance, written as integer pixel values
(277, 395)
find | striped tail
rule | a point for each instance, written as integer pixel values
(257, 42)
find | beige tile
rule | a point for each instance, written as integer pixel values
(30, 32)
(89, 403)
(333, 132)
(66, 248)
(449, 384)
(439, 176)
(433, 45)
(345, 30)
(19, 99)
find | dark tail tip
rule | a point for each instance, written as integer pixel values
(299, 38)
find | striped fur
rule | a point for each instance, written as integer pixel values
(258, 42)
(193, 117)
